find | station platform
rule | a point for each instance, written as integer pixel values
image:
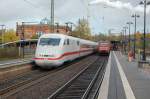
(13, 62)
(124, 80)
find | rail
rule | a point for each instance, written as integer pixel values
(93, 82)
(88, 76)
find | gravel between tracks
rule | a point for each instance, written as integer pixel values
(44, 87)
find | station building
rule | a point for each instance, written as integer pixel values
(36, 30)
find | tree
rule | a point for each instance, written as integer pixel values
(35, 36)
(82, 30)
(10, 36)
(100, 37)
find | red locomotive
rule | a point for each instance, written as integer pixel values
(104, 47)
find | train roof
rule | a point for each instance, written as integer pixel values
(51, 35)
(64, 36)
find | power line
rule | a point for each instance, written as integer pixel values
(87, 8)
(30, 3)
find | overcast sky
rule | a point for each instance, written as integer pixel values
(104, 14)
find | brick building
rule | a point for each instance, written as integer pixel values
(32, 30)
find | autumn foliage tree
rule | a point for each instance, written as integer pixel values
(82, 30)
(10, 36)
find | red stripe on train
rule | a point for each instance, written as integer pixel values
(63, 55)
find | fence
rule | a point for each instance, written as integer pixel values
(18, 49)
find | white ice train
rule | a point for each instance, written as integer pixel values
(55, 49)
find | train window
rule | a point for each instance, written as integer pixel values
(50, 41)
(67, 41)
(78, 42)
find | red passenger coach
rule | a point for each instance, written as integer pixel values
(104, 48)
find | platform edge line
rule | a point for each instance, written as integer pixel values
(127, 88)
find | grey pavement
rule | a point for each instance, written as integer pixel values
(126, 81)
(13, 62)
(116, 90)
(138, 79)
(10, 61)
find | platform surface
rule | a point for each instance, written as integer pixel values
(13, 62)
(124, 80)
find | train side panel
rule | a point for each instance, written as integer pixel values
(61, 48)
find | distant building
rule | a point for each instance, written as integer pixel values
(36, 30)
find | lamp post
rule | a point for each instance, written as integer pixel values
(129, 23)
(125, 33)
(122, 39)
(135, 16)
(52, 16)
(145, 3)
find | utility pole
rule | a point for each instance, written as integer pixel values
(80, 27)
(125, 33)
(52, 16)
(22, 39)
(2, 33)
(135, 16)
(129, 23)
(144, 45)
(71, 27)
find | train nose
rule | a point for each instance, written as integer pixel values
(46, 63)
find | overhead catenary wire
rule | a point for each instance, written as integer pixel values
(86, 4)
(30, 3)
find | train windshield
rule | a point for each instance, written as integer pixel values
(50, 41)
(104, 44)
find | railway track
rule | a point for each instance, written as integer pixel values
(85, 84)
(11, 85)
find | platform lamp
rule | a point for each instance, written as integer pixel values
(145, 3)
(125, 34)
(135, 16)
(122, 39)
(129, 23)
